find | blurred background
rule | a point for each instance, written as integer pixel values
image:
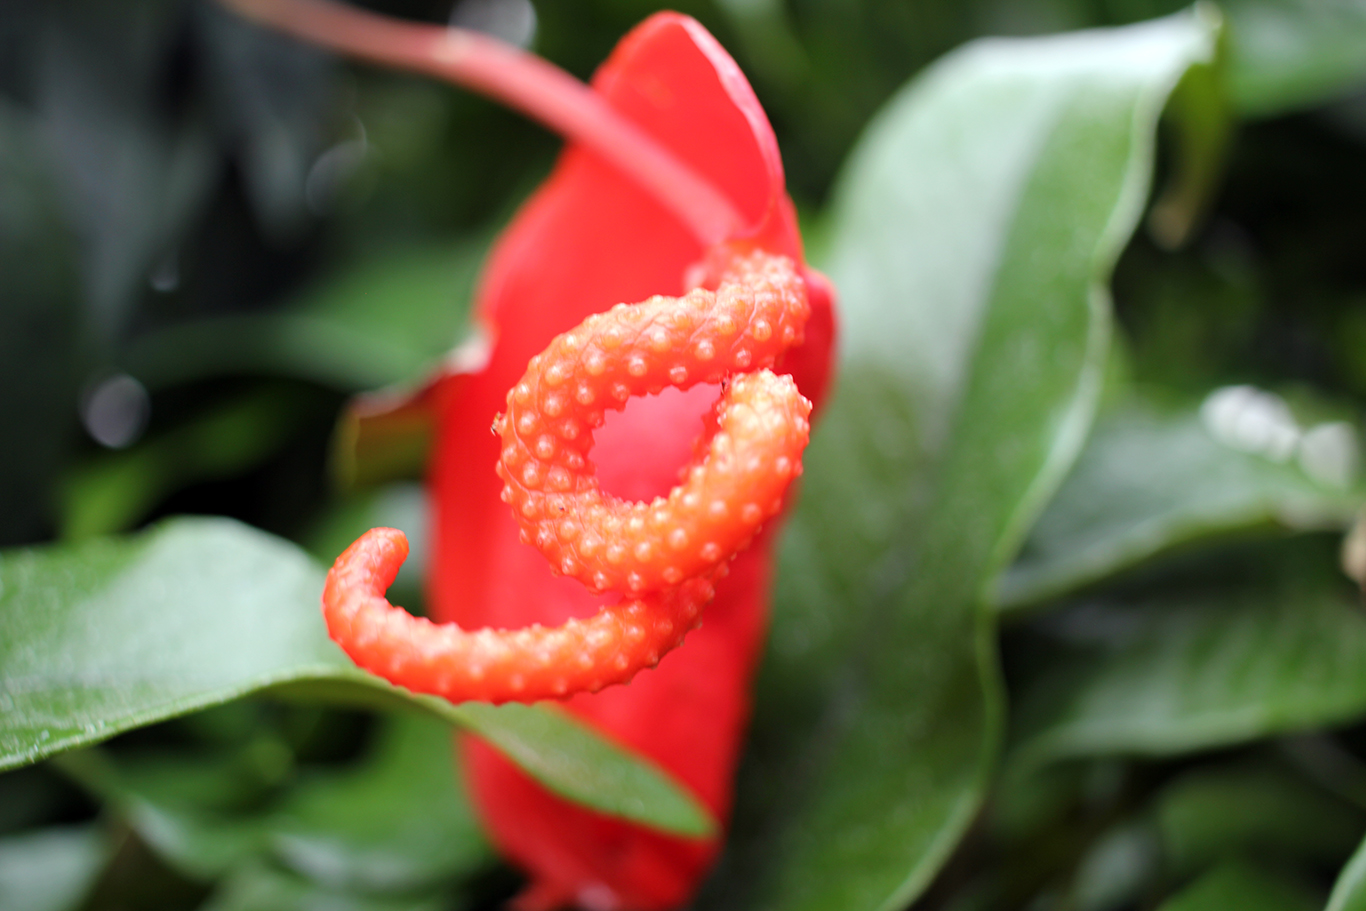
(212, 237)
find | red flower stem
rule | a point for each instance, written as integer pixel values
(519, 80)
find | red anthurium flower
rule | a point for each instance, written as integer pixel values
(588, 239)
(593, 236)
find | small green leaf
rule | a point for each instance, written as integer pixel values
(973, 237)
(109, 635)
(1150, 480)
(1236, 884)
(1275, 642)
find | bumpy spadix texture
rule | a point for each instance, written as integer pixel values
(755, 448)
(663, 555)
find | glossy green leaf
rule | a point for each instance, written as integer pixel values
(1238, 884)
(1152, 479)
(1275, 642)
(51, 869)
(109, 635)
(1349, 893)
(973, 236)
(390, 320)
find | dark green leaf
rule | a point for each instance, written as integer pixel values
(1235, 884)
(50, 870)
(110, 635)
(1274, 643)
(1252, 810)
(1150, 480)
(395, 822)
(973, 237)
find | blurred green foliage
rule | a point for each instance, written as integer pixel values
(211, 236)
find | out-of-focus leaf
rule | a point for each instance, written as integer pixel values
(259, 887)
(1275, 643)
(113, 491)
(134, 169)
(1201, 125)
(975, 230)
(1286, 55)
(1113, 873)
(1349, 893)
(38, 334)
(390, 320)
(396, 822)
(1237, 884)
(1224, 811)
(52, 869)
(110, 635)
(1150, 480)
(275, 97)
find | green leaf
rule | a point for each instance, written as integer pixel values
(1151, 480)
(106, 636)
(975, 230)
(1349, 893)
(1275, 642)
(390, 320)
(397, 821)
(258, 887)
(51, 869)
(1252, 810)
(1287, 55)
(1236, 884)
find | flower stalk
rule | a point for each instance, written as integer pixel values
(522, 81)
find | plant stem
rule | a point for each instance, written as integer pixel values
(518, 79)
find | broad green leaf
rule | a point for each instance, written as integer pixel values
(395, 822)
(106, 636)
(1275, 642)
(1152, 479)
(51, 869)
(1286, 55)
(390, 320)
(1349, 893)
(1238, 884)
(973, 235)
